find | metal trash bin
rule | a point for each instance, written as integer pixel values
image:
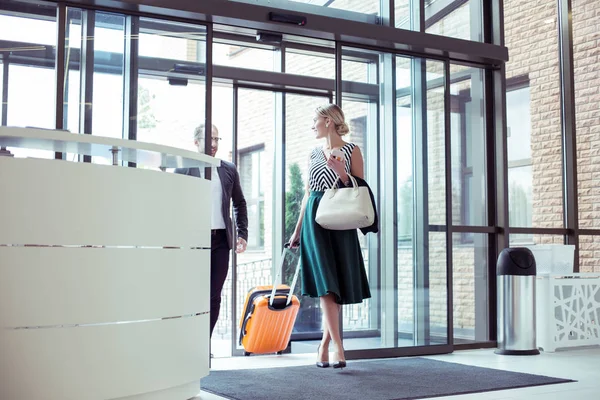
(516, 273)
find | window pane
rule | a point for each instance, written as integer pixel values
(30, 39)
(518, 115)
(436, 143)
(469, 174)
(251, 178)
(531, 239)
(358, 71)
(402, 10)
(360, 6)
(171, 95)
(586, 20)
(456, 18)
(588, 253)
(310, 64)
(520, 196)
(244, 57)
(470, 288)
(438, 290)
(533, 110)
(347, 9)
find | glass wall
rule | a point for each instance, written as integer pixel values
(156, 65)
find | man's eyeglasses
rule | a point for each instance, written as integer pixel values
(216, 139)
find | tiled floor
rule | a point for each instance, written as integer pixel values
(582, 365)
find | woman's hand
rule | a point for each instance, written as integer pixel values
(339, 166)
(294, 240)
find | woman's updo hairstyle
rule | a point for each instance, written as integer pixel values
(336, 115)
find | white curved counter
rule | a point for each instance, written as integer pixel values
(104, 271)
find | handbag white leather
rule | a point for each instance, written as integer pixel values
(345, 208)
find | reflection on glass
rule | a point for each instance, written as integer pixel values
(470, 288)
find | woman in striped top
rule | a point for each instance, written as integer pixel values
(332, 263)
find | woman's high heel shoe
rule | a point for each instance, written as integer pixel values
(339, 364)
(321, 364)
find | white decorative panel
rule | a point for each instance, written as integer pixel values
(569, 311)
(54, 202)
(104, 362)
(46, 286)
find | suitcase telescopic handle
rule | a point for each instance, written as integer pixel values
(294, 281)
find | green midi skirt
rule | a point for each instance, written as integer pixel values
(331, 260)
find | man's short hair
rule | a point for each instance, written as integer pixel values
(199, 131)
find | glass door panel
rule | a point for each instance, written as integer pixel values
(299, 141)
(409, 281)
(361, 104)
(255, 131)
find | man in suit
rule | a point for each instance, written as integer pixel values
(225, 188)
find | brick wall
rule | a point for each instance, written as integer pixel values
(586, 57)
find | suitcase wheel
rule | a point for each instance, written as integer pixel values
(247, 353)
(280, 353)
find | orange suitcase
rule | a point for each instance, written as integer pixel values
(269, 314)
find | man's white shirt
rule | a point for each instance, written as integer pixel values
(217, 221)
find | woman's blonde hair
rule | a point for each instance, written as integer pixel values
(336, 115)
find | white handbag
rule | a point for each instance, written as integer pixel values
(345, 208)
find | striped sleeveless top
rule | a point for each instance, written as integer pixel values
(320, 176)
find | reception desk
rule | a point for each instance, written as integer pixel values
(104, 271)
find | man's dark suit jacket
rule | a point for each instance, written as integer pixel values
(231, 190)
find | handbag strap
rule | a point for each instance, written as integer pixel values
(352, 179)
(294, 281)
